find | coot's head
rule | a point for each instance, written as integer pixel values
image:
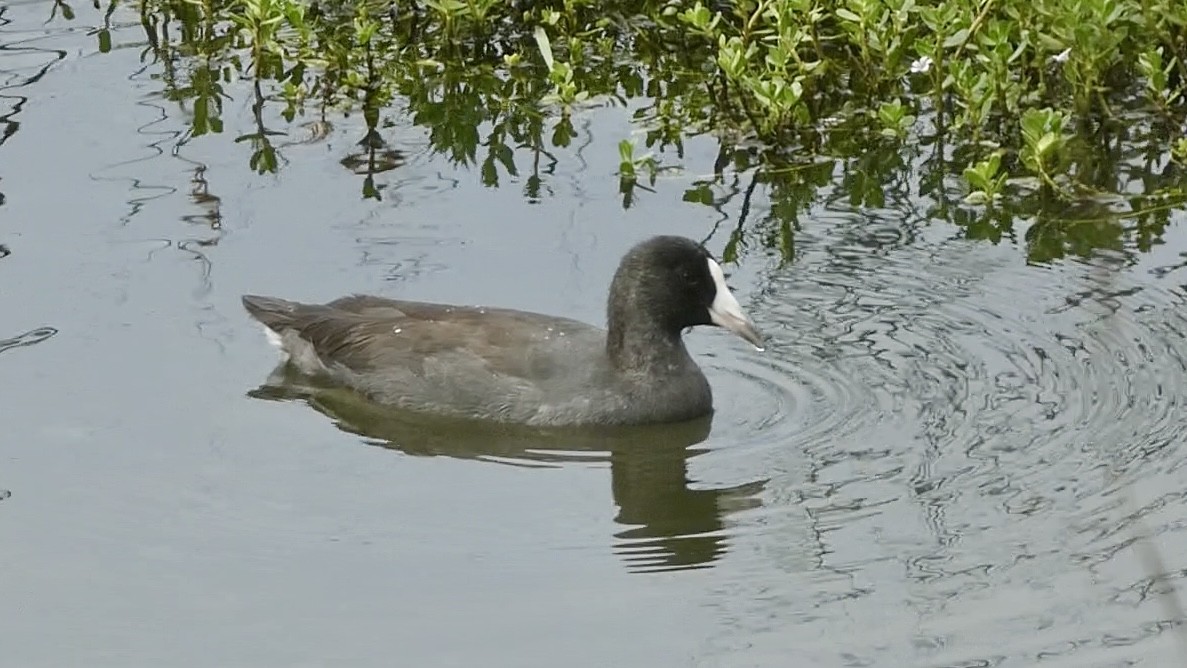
(669, 283)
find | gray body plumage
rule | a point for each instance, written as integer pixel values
(483, 363)
(527, 368)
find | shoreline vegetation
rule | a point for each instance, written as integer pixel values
(1067, 114)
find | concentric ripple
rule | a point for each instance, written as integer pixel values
(952, 430)
(973, 351)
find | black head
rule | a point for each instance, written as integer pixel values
(666, 284)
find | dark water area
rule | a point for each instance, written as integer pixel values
(946, 456)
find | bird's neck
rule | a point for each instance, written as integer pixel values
(649, 349)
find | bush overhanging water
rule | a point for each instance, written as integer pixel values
(1066, 112)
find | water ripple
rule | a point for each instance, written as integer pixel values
(29, 338)
(665, 520)
(958, 428)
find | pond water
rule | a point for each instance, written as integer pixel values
(945, 457)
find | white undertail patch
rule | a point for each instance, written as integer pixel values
(274, 338)
(295, 350)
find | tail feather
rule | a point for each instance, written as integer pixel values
(287, 325)
(273, 313)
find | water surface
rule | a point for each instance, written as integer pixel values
(945, 457)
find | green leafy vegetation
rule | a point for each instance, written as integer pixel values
(1068, 114)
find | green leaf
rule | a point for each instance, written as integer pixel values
(563, 133)
(976, 179)
(992, 164)
(626, 150)
(506, 157)
(545, 46)
(1045, 145)
(700, 194)
(490, 175)
(957, 38)
(848, 15)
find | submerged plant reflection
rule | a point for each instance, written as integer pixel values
(993, 110)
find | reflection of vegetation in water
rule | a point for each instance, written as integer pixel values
(994, 110)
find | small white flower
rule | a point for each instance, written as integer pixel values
(1062, 56)
(921, 65)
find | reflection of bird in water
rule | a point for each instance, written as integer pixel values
(670, 526)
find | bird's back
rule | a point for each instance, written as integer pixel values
(483, 363)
